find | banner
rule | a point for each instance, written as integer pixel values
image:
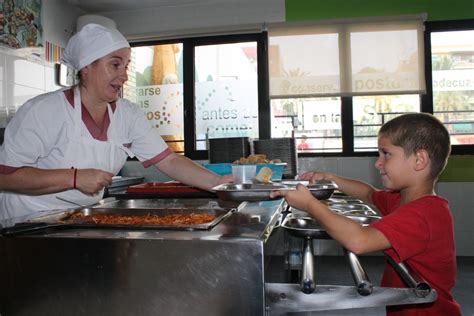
(20, 24)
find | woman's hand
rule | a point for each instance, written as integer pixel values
(227, 178)
(91, 181)
(301, 198)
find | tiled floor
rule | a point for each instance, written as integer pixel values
(334, 270)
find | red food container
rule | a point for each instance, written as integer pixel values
(162, 187)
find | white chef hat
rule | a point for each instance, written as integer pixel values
(92, 42)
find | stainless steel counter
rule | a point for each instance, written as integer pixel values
(222, 270)
(85, 271)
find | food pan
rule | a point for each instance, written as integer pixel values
(218, 214)
(66, 219)
(261, 191)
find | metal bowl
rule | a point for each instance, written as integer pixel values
(305, 227)
(308, 227)
(364, 219)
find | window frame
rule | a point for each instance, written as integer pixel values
(427, 100)
(189, 45)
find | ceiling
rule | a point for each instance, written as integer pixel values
(102, 6)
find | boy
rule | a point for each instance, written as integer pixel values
(417, 227)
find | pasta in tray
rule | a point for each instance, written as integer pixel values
(149, 219)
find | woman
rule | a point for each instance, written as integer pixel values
(67, 144)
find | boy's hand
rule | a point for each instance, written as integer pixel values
(301, 198)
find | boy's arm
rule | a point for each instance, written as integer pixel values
(351, 187)
(350, 234)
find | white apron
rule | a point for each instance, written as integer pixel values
(83, 151)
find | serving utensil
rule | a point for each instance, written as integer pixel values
(72, 202)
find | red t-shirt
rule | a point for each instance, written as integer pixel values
(422, 235)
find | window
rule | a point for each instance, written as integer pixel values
(347, 58)
(452, 60)
(333, 85)
(314, 122)
(226, 91)
(199, 88)
(371, 112)
(155, 83)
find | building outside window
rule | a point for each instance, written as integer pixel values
(452, 61)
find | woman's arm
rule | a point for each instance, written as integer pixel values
(34, 181)
(187, 171)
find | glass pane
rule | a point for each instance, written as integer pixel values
(226, 91)
(155, 83)
(453, 83)
(315, 123)
(316, 71)
(386, 61)
(370, 112)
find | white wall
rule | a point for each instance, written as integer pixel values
(22, 76)
(22, 80)
(59, 20)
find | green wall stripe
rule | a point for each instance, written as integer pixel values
(459, 169)
(438, 10)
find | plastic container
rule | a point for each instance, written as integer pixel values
(244, 173)
(226, 168)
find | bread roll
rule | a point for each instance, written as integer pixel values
(264, 175)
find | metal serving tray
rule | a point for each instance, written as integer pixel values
(170, 204)
(321, 190)
(261, 191)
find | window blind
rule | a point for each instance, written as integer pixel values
(346, 58)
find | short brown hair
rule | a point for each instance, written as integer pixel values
(416, 131)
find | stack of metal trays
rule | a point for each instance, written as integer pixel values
(227, 150)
